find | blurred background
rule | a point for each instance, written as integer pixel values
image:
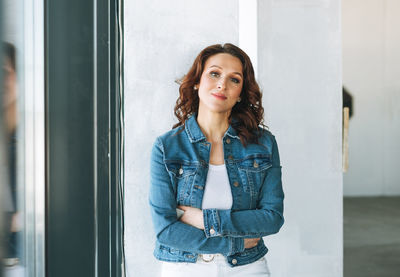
(76, 84)
(371, 185)
(21, 125)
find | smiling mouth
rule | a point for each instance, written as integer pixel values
(219, 96)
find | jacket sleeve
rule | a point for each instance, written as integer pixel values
(265, 220)
(169, 230)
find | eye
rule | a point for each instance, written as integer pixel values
(235, 80)
(214, 74)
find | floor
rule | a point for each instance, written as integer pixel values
(372, 237)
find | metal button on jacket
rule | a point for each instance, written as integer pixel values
(212, 231)
(255, 164)
(236, 184)
(228, 141)
(234, 261)
(180, 171)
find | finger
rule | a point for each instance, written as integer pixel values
(184, 208)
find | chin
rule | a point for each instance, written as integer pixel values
(215, 107)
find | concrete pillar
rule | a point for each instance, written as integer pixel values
(299, 61)
(162, 38)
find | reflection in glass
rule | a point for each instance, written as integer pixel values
(12, 142)
(22, 139)
(10, 119)
(12, 216)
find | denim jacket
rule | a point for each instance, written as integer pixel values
(179, 166)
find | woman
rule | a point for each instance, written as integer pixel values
(220, 169)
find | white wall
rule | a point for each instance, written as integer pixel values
(299, 64)
(162, 38)
(299, 70)
(371, 70)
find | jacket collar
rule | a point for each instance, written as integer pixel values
(195, 134)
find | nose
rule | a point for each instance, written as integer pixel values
(221, 84)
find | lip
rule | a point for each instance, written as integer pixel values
(219, 96)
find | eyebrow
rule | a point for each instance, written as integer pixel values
(238, 73)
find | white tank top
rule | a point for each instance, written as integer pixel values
(217, 192)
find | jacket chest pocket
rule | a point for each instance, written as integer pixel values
(182, 177)
(252, 171)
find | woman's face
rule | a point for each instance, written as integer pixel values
(221, 83)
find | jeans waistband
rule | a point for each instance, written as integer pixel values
(208, 258)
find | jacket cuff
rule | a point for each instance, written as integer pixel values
(237, 245)
(211, 223)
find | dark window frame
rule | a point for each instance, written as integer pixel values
(84, 138)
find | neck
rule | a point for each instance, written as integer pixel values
(213, 125)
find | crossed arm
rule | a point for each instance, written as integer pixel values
(211, 230)
(194, 217)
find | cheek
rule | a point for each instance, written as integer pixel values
(237, 91)
(203, 92)
(206, 82)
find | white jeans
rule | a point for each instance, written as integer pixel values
(218, 267)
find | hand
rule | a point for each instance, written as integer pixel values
(192, 216)
(249, 243)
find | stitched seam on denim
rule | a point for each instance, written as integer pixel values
(266, 167)
(231, 246)
(206, 226)
(240, 234)
(161, 146)
(216, 222)
(230, 132)
(247, 260)
(189, 134)
(192, 138)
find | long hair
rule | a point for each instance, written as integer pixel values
(248, 113)
(9, 52)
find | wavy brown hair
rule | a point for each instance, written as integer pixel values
(248, 113)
